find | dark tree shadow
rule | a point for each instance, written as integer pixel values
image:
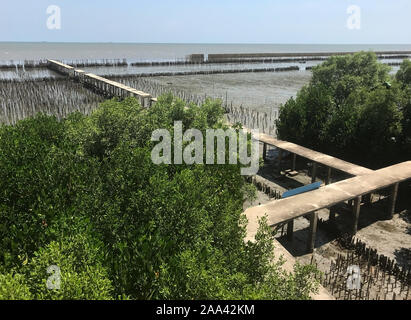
(403, 257)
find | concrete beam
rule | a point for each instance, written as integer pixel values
(393, 200)
(312, 232)
(356, 214)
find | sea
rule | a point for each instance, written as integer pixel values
(136, 52)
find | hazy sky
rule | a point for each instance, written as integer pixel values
(207, 21)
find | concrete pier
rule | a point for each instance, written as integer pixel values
(356, 214)
(328, 178)
(332, 214)
(100, 84)
(284, 210)
(294, 162)
(264, 151)
(314, 172)
(290, 230)
(280, 158)
(393, 200)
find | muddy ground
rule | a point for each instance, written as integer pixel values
(262, 91)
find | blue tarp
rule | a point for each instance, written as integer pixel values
(302, 189)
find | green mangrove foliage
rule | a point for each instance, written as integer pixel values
(354, 109)
(82, 194)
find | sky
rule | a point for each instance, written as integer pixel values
(208, 21)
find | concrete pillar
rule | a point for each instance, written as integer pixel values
(294, 161)
(367, 199)
(393, 200)
(356, 214)
(290, 230)
(264, 151)
(328, 178)
(314, 172)
(332, 214)
(312, 232)
(280, 157)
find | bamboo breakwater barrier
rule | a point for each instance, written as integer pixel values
(380, 278)
(199, 59)
(27, 64)
(97, 63)
(59, 97)
(244, 56)
(253, 119)
(248, 117)
(43, 63)
(255, 60)
(207, 72)
(101, 85)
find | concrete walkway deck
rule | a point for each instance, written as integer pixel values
(318, 157)
(284, 210)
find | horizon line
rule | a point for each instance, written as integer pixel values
(194, 43)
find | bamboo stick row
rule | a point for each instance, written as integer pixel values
(59, 97)
(380, 278)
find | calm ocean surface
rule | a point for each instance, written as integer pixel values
(157, 52)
